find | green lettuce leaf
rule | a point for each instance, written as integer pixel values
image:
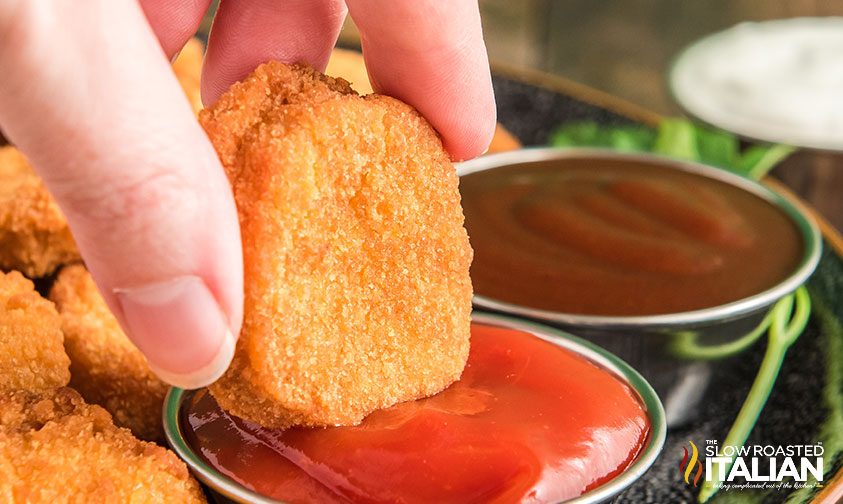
(677, 138)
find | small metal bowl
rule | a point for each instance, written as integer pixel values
(649, 343)
(225, 490)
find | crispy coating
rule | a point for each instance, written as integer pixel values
(34, 237)
(32, 354)
(188, 70)
(357, 293)
(56, 448)
(350, 65)
(104, 365)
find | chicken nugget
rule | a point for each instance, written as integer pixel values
(34, 237)
(105, 367)
(32, 354)
(351, 66)
(56, 448)
(357, 294)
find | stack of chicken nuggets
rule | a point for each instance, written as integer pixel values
(52, 444)
(34, 237)
(104, 365)
(35, 240)
(55, 445)
(31, 353)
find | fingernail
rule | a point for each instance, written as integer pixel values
(181, 330)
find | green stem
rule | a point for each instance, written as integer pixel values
(685, 344)
(800, 317)
(783, 332)
(775, 155)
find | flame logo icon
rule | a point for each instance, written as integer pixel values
(686, 467)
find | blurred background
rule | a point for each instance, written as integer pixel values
(624, 47)
(620, 46)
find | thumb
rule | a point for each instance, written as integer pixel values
(106, 126)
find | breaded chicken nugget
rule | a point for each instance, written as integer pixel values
(357, 293)
(349, 65)
(105, 367)
(56, 448)
(188, 70)
(34, 237)
(32, 354)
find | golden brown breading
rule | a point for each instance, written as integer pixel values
(104, 365)
(188, 70)
(356, 261)
(349, 65)
(56, 448)
(32, 355)
(34, 237)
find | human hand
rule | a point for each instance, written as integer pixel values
(88, 95)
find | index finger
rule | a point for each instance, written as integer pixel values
(431, 55)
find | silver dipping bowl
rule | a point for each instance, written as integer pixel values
(226, 490)
(672, 351)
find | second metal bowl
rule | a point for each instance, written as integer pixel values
(674, 351)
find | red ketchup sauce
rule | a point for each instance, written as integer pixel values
(527, 422)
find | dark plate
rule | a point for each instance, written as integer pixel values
(531, 106)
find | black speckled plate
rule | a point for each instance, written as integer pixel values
(531, 105)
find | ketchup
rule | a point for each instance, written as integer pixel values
(527, 422)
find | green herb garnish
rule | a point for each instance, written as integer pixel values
(678, 138)
(589, 134)
(783, 331)
(685, 345)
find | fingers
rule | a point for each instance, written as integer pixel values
(431, 54)
(174, 21)
(107, 127)
(247, 33)
(425, 52)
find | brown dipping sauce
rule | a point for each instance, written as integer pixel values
(620, 237)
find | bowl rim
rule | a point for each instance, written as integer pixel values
(795, 211)
(685, 57)
(608, 361)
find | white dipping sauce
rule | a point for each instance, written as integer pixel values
(780, 81)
